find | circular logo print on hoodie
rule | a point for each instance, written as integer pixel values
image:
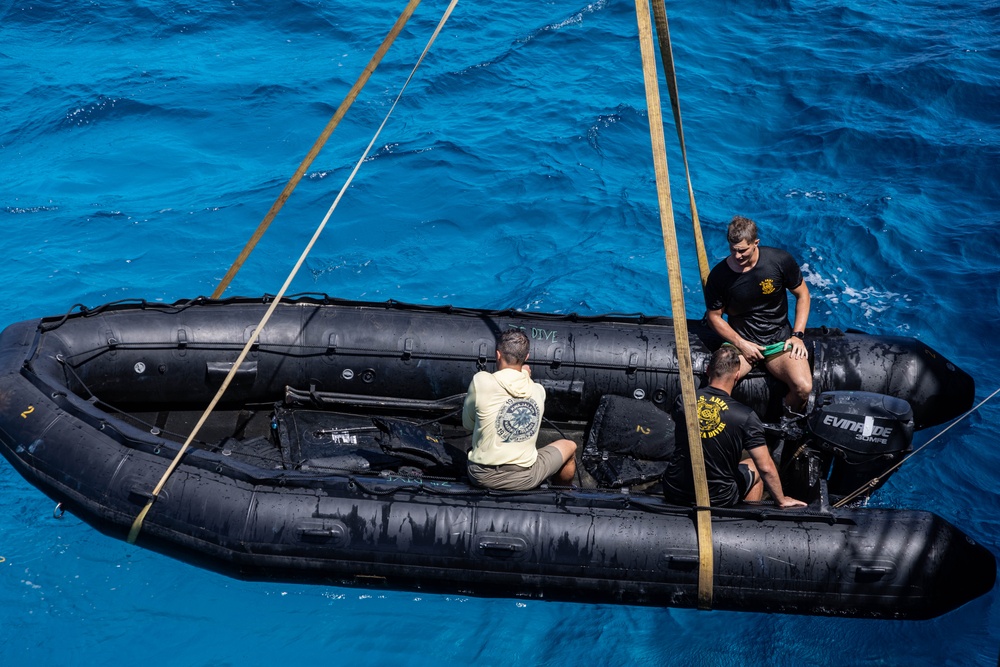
(518, 420)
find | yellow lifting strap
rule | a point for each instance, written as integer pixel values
(705, 547)
(137, 523)
(317, 147)
(667, 55)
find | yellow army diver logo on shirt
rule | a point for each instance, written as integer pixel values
(710, 415)
(767, 286)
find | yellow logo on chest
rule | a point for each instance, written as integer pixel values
(710, 416)
(767, 286)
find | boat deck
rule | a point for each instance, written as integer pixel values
(259, 436)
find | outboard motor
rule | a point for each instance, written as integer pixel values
(860, 436)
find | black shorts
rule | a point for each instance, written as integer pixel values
(745, 480)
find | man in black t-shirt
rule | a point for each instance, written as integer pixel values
(750, 287)
(727, 428)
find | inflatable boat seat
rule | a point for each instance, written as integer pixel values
(629, 442)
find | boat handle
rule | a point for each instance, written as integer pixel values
(218, 370)
(334, 532)
(318, 532)
(506, 547)
(872, 571)
(502, 546)
(683, 562)
(633, 363)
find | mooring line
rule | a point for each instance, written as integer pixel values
(338, 115)
(137, 523)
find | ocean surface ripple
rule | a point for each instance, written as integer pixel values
(142, 143)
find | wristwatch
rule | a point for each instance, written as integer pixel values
(799, 334)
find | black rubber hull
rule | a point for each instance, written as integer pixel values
(411, 352)
(430, 535)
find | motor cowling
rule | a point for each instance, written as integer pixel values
(863, 434)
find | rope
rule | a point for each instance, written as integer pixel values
(137, 524)
(667, 54)
(317, 147)
(705, 548)
(875, 482)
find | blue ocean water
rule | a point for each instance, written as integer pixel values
(142, 142)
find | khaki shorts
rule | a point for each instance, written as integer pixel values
(518, 478)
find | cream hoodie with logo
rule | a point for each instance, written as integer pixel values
(504, 412)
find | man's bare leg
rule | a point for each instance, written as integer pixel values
(797, 375)
(567, 473)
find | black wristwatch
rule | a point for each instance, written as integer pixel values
(798, 334)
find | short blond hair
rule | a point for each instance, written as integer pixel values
(741, 229)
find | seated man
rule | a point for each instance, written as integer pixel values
(727, 428)
(504, 412)
(750, 287)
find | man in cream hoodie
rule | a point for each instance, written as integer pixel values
(504, 412)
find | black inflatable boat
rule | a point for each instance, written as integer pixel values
(336, 455)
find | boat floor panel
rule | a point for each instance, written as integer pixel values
(251, 436)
